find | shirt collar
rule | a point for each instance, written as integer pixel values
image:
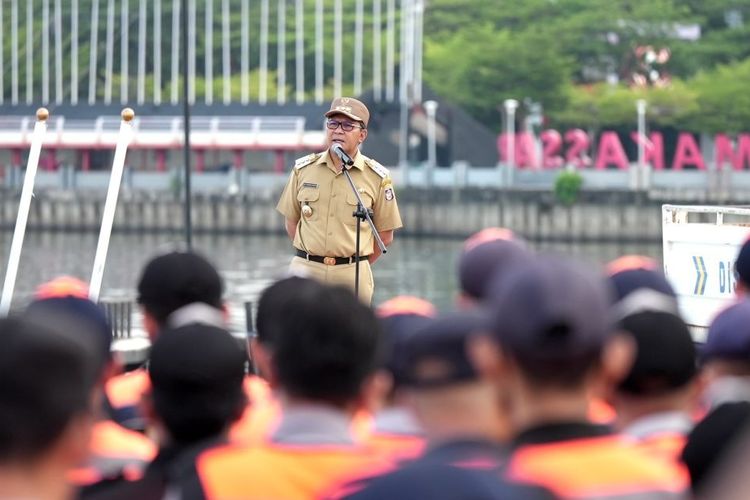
(313, 425)
(397, 421)
(326, 159)
(658, 423)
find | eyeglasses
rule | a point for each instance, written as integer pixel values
(345, 126)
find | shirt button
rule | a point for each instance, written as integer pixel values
(330, 234)
(331, 215)
(333, 195)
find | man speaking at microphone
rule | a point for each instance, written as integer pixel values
(318, 203)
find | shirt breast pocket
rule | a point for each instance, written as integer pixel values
(310, 197)
(347, 215)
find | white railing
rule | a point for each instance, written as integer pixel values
(165, 132)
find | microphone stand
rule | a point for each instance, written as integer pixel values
(361, 214)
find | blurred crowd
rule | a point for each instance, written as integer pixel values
(550, 378)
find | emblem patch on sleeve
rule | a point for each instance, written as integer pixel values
(389, 194)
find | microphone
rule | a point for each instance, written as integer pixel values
(339, 151)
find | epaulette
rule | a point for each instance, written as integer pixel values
(377, 167)
(305, 160)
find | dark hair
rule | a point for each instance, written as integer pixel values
(274, 302)
(566, 372)
(47, 378)
(174, 280)
(196, 375)
(324, 341)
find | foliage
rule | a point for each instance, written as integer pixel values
(482, 67)
(568, 186)
(602, 105)
(723, 100)
(572, 56)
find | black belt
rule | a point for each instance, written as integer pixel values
(330, 261)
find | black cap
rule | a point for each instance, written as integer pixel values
(551, 307)
(665, 353)
(196, 373)
(484, 254)
(173, 280)
(196, 359)
(436, 355)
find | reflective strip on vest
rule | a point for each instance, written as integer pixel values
(607, 467)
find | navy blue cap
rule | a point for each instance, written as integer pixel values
(436, 355)
(63, 303)
(665, 356)
(486, 253)
(742, 264)
(634, 272)
(729, 334)
(551, 307)
(399, 318)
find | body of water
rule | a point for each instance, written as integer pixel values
(419, 266)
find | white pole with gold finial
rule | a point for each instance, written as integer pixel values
(108, 217)
(14, 256)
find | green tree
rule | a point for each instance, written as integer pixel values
(478, 69)
(723, 101)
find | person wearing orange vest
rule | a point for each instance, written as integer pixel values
(656, 400)
(393, 428)
(174, 289)
(47, 402)
(462, 418)
(551, 345)
(63, 304)
(319, 347)
(196, 373)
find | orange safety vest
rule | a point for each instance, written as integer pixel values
(396, 446)
(283, 472)
(596, 467)
(664, 445)
(126, 389)
(113, 450)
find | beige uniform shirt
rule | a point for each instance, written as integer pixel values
(330, 230)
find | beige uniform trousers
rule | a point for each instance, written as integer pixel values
(342, 275)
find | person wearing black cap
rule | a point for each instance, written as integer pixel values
(63, 304)
(461, 417)
(174, 289)
(656, 400)
(320, 348)
(318, 204)
(551, 346)
(196, 373)
(178, 288)
(47, 400)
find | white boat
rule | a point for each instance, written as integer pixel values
(701, 244)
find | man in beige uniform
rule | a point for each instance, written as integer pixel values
(318, 204)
